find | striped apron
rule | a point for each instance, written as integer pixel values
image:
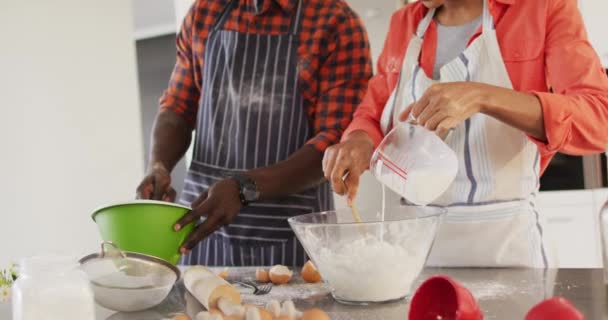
(251, 115)
(491, 220)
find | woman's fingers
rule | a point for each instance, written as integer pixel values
(337, 175)
(329, 161)
(405, 114)
(445, 126)
(352, 186)
(433, 122)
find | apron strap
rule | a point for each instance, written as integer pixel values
(224, 15)
(424, 24)
(296, 21)
(488, 20)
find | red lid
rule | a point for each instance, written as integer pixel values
(555, 309)
(441, 297)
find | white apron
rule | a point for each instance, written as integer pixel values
(491, 220)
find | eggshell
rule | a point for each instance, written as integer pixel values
(223, 274)
(310, 273)
(261, 275)
(280, 274)
(315, 314)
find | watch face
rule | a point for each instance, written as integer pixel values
(250, 195)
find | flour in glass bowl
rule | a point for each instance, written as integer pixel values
(369, 270)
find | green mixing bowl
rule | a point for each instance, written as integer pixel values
(144, 226)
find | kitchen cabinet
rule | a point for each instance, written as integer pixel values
(573, 225)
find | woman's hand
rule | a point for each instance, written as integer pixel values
(220, 205)
(446, 105)
(349, 158)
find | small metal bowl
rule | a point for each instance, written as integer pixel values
(128, 281)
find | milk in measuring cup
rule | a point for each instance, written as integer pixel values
(420, 187)
(414, 163)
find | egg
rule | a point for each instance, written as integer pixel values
(315, 314)
(261, 275)
(289, 309)
(215, 311)
(265, 314)
(280, 274)
(223, 274)
(181, 317)
(310, 273)
(209, 316)
(274, 307)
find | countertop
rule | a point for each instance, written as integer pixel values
(502, 294)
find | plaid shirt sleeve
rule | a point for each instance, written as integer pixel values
(184, 89)
(343, 79)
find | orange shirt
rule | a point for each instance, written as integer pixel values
(544, 45)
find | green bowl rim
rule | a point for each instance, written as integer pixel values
(147, 202)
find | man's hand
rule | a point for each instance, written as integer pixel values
(220, 205)
(157, 185)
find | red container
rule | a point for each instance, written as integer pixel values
(554, 309)
(441, 297)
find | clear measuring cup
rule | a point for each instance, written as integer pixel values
(415, 163)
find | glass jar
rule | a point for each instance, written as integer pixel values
(604, 233)
(52, 288)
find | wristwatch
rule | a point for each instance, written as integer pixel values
(248, 189)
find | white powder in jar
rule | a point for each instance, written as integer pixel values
(368, 270)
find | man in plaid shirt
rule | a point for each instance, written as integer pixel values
(267, 86)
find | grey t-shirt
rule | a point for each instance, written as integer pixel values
(451, 42)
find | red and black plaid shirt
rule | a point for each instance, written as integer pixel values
(335, 63)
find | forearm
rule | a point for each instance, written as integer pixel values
(171, 137)
(299, 172)
(517, 109)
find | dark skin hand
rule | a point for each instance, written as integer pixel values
(171, 137)
(222, 203)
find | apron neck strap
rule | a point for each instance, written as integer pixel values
(225, 13)
(488, 21)
(296, 21)
(487, 24)
(425, 23)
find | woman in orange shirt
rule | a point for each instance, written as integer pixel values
(514, 82)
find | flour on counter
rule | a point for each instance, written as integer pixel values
(291, 291)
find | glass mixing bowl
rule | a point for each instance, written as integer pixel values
(374, 261)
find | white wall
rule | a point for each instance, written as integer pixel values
(70, 127)
(153, 18)
(594, 13)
